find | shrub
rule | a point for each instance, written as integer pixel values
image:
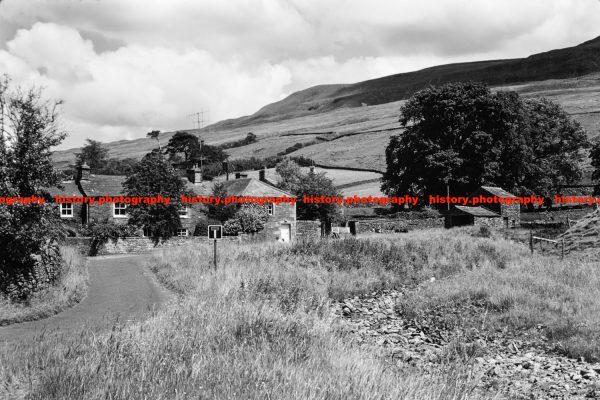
(248, 219)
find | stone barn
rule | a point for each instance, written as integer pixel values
(510, 214)
(464, 216)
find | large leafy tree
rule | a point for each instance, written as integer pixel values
(95, 154)
(465, 135)
(28, 233)
(185, 148)
(154, 176)
(182, 143)
(309, 184)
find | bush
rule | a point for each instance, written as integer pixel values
(29, 256)
(248, 219)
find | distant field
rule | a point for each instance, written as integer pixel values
(339, 177)
(367, 189)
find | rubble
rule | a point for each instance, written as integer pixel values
(521, 365)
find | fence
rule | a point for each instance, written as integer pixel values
(532, 240)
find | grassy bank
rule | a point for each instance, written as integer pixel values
(68, 290)
(258, 327)
(559, 298)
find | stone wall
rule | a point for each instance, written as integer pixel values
(492, 222)
(44, 269)
(308, 230)
(398, 225)
(143, 244)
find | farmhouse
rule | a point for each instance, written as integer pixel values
(281, 224)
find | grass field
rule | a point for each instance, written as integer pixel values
(562, 297)
(260, 327)
(69, 290)
(338, 176)
(257, 328)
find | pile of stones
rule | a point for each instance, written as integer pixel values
(517, 364)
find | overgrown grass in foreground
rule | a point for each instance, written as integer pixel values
(68, 290)
(258, 327)
(560, 296)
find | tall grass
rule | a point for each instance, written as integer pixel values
(68, 290)
(259, 327)
(560, 297)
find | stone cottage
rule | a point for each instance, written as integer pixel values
(281, 224)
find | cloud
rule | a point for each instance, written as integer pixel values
(124, 67)
(134, 88)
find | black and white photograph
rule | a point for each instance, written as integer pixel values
(299, 199)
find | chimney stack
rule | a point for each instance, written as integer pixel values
(226, 168)
(262, 174)
(194, 174)
(83, 172)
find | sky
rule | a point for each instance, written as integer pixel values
(125, 67)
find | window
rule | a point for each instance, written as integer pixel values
(120, 210)
(182, 232)
(66, 210)
(269, 208)
(183, 211)
(146, 232)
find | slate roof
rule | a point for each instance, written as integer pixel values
(69, 189)
(498, 191)
(103, 185)
(475, 211)
(238, 187)
(112, 185)
(96, 185)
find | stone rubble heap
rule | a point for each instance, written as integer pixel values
(519, 365)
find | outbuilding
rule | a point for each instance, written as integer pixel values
(464, 216)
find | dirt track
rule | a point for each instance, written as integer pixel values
(120, 289)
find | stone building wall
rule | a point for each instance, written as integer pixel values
(282, 214)
(512, 213)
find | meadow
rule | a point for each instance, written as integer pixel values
(260, 326)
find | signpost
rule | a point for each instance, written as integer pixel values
(215, 232)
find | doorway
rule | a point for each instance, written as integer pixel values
(285, 233)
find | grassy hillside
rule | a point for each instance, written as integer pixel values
(556, 64)
(322, 116)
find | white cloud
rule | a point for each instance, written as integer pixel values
(124, 67)
(134, 88)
